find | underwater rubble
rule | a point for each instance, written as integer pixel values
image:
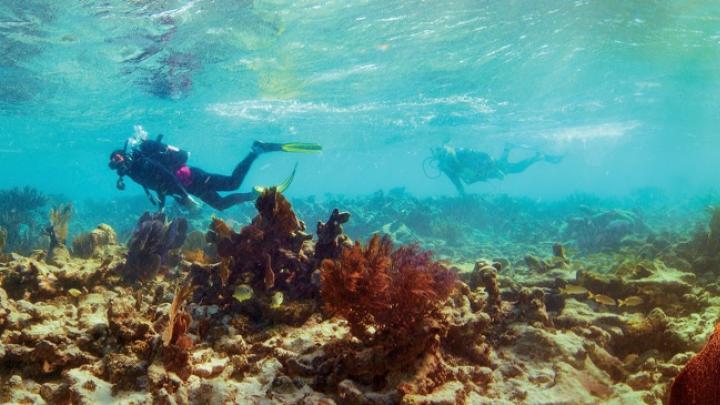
(263, 311)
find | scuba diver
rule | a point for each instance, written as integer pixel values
(467, 166)
(163, 168)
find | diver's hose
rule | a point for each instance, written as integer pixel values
(428, 163)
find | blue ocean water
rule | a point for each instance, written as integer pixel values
(628, 92)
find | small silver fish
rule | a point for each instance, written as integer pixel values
(572, 289)
(632, 301)
(602, 299)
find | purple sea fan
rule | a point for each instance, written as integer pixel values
(151, 241)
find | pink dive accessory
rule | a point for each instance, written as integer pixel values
(184, 175)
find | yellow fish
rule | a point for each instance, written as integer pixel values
(632, 301)
(243, 292)
(277, 299)
(602, 299)
(74, 292)
(572, 289)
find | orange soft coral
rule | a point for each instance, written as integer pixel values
(176, 342)
(698, 382)
(391, 300)
(391, 296)
(197, 256)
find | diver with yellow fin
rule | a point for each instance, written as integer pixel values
(163, 168)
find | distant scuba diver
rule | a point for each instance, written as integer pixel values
(163, 168)
(467, 166)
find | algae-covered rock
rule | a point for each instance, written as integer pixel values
(447, 394)
(31, 278)
(58, 256)
(87, 389)
(531, 306)
(91, 244)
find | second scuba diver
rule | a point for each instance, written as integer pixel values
(163, 168)
(467, 166)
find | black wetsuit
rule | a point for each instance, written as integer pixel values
(154, 176)
(206, 185)
(157, 167)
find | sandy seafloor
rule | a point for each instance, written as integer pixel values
(89, 322)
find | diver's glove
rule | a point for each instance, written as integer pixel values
(188, 202)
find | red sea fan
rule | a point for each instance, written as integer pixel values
(394, 293)
(699, 381)
(419, 285)
(355, 286)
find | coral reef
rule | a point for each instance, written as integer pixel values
(57, 232)
(392, 294)
(392, 303)
(3, 239)
(91, 244)
(701, 254)
(151, 243)
(489, 226)
(697, 383)
(331, 236)
(272, 253)
(176, 343)
(59, 221)
(20, 218)
(263, 313)
(604, 229)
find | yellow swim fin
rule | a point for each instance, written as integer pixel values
(301, 147)
(280, 187)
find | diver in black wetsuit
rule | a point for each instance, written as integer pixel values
(466, 166)
(163, 169)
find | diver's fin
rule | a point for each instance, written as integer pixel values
(513, 145)
(302, 147)
(280, 187)
(285, 184)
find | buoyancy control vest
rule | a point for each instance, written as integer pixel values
(169, 156)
